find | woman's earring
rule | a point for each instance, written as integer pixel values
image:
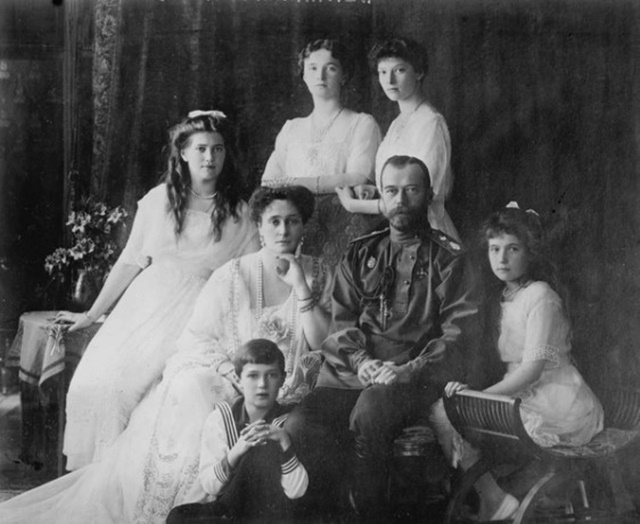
(299, 248)
(261, 241)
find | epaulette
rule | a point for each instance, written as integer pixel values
(372, 234)
(449, 243)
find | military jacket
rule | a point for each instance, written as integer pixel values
(400, 299)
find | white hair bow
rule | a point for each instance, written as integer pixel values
(514, 205)
(212, 113)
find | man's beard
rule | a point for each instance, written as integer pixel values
(407, 220)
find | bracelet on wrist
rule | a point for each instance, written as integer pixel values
(89, 317)
(309, 306)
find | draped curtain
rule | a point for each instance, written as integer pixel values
(540, 97)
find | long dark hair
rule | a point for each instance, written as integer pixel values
(178, 178)
(527, 226)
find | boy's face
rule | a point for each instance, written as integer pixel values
(261, 384)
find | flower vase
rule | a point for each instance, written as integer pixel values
(85, 290)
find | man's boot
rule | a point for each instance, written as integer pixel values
(369, 484)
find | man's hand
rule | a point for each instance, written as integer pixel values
(367, 371)
(388, 373)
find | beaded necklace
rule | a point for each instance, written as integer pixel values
(293, 315)
(317, 136)
(203, 197)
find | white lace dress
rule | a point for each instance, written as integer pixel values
(153, 465)
(424, 134)
(349, 146)
(131, 348)
(559, 408)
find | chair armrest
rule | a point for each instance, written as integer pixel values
(477, 416)
(621, 407)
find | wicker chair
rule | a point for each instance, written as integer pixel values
(559, 492)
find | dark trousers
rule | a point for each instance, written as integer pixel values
(253, 494)
(329, 422)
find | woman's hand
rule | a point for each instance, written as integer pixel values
(76, 321)
(347, 197)
(290, 271)
(453, 387)
(365, 191)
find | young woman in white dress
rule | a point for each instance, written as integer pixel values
(333, 146)
(277, 294)
(418, 131)
(186, 227)
(558, 407)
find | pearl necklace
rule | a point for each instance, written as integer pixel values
(317, 135)
(293, 320)
(507, 296)
(203, 197)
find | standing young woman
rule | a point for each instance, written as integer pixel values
(418, 131)
(186, 227)
(333, 146)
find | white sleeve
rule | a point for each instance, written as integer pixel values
(214, 467)
(205, 331)
(133, 252)
(435, 152)
(277, 164)
(364, 145)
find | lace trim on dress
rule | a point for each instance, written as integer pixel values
(544, 352)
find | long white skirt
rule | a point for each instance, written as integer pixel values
(152, 466)
(124, 359)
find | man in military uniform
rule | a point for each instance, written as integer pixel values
(401, 303)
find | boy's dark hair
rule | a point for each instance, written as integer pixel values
(258, 351)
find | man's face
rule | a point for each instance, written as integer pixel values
(405, 196)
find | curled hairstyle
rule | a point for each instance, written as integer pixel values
(527, 227)
(178, 178)
(258, 351)
(337, 50)
(300, 197)
(404, 48)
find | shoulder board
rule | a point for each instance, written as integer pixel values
(370, 235)
(449, 243)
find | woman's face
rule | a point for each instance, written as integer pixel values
(204, 153)
(323, 74)
(398, 78)
(281, 227)
(508, 257)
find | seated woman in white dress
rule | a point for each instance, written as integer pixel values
(333, 146)
(418, 131)
(558, 407)
(275, 294)
(186, 227)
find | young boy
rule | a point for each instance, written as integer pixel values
(247, 461)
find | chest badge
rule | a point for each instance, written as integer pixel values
(371, 263)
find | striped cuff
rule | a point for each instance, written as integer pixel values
(222, 470)
(289, 461)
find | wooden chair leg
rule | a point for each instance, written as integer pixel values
(526, 503)
(466, 485)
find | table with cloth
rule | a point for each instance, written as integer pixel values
(47, 355)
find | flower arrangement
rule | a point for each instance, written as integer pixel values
(93, 228)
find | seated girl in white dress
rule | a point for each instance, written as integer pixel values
(558, 407)
(276, 294)
(333, 146)
(184, 229)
